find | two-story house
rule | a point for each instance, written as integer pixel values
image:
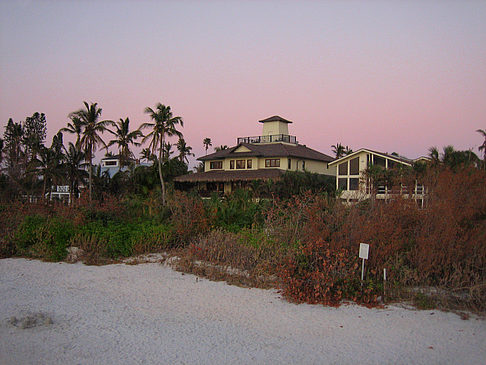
(263, 157)
(355, 185)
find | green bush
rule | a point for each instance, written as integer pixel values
(45, 238)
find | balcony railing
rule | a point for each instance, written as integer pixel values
(268, 139)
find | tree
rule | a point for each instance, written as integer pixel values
(207, 143)
(167, 151)
(163, 125)
(92, 127)
(221, 148)
(73, 162)
(348, 151)
(49, 167)
(13, 152)
(147, 155)
(124, 138)
(338, 150)
(184, 150)
(483, 146)
(35, 130)
(76, 127)
(1, 152)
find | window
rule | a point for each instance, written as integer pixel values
(289, 164)
(379, 161)
(354, 166)
(216, 165)
(303, 165)
(391, 164)
(272, 162)
(353, 184)
(343, 168)
(248, 164)
(110, 163)
(343, 184)
(232, 164)
(240, 164)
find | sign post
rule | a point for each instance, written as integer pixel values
(364, 249)
(384, 284)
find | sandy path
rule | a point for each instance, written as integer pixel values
(149, 313)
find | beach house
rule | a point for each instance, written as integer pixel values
(355, 183)
(262, 157)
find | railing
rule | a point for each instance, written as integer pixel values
(268, 139)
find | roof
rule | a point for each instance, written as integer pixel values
(238, 175)
(399, 159)
(275, 118)
(269, 150)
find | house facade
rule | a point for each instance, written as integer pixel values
(356, 185)
(263, 157)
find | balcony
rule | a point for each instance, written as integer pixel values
(268, 139)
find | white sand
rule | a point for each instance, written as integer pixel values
(150, 314)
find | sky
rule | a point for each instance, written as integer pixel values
(392, 76)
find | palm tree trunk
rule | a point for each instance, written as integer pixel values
(90, 179)
(162, 185)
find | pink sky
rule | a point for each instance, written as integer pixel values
(390, 76)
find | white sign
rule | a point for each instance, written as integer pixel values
(363, 251)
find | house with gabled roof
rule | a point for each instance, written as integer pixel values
(263, 157)
(355, 185)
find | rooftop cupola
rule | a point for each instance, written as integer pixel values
(275, 125)
(275, 130)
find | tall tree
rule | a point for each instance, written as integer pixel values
(162, 126)
(13, 151)
(184, 150)
(35, 130)
(75, 127)
(123, 139)
(73, 163)
(92, 128)
(49, 167)
(207, 143)
(338, 150)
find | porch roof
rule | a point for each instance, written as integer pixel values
(228, 176)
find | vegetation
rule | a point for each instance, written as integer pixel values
(294, 233)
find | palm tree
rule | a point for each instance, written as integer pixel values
(76, 127)
(49, 167)
(338, 150)
(348, 151)
(207, 142)
(167, 151)
(92, 127)
(73, 161)
(221, 148)
(124, 138)
(434, 155)
(147, 155)
(163, 125)
(184, 150)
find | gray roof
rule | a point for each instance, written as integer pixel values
(275, 118)
(269, 150)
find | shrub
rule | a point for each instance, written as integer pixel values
(42, 237)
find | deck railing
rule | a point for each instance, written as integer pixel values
(268, 139)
